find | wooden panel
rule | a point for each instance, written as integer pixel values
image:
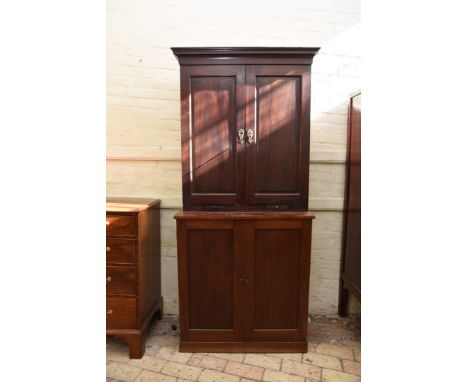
(212, 112)
(120, 250)
(210, 269)
(350, 279)
(208, 280)
(278, 114)
(213, 131)
(120, 280)
(120, 225)
(120, 313)
(277, 257)
(149, 262)
(278, 118)
(278, 261)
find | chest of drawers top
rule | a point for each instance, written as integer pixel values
(116, 205)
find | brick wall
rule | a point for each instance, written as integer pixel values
(143, 112)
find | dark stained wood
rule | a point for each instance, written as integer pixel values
(134, 267)
(120, 250)
(244, 55)
(120, 280)
(120, 313)
(278, 112)
(243, 215)
(208, 257)
(221, 99)
(278, 261)
(244, 237)
(212, 112)
(243, 280)
(120, 225)
(350, 280)
(243, 347)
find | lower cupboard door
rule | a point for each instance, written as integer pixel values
(277, 280)
(208, 256)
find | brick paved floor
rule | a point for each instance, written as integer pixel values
(334, 355)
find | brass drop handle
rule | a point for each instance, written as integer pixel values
(107, 249)
(109, 313)
(108, 279)
(240, 136)
(250, 135)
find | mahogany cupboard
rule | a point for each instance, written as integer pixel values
(244, 236)
(245, 127)
(243, 281)
(350, 275)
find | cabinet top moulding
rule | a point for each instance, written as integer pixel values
(244, 55)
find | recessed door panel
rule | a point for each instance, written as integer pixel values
(208, 265)
(278, 118)
(278, 260)
(212, 114)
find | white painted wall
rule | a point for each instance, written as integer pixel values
(143, 112)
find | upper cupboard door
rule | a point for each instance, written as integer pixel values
(277, 129)
(212, 153)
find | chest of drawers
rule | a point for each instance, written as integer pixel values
(133, 269)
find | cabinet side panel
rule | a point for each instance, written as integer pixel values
(210, 266)
(149, 261)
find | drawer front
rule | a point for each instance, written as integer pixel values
(120, 313)
(121, 280)
(117, 225)
(120, 251)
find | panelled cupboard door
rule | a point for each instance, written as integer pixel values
(277, 283)
(208, 260)
(277, 126)
(212, 113)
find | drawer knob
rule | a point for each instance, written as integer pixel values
(108, 279)
(109, 313)
(107, 222)
(107, 249)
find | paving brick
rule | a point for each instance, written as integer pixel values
(352, 344)
(181, 371)
(357, 355)
(216, 376)
(149, 376)
(277, 376)
(335, 350)
(170, 354)
(207, 362)
(322, 360)
(338, 376)
(228, 356)
(292, 356)
(301, 369)
(263, 361)
(352, 367)
(246, 371)
(121, 371)
(149, 363)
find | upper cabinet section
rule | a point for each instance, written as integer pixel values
(245, 127)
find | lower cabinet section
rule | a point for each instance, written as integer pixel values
(243, 281)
